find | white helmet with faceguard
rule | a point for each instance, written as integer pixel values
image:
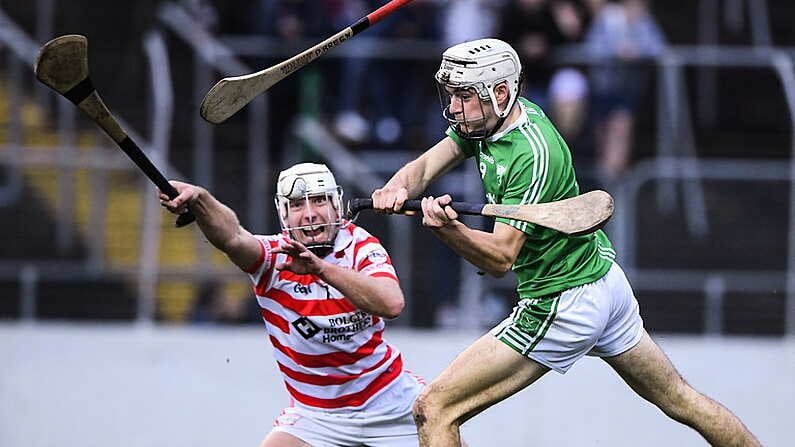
(303, 184)
(479, 66)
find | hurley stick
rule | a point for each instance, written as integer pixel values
(231, 94)
(62, 65)
(576, 216)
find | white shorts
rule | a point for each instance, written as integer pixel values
(600, 319)
(385, 421)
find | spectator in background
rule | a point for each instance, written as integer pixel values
(293, 19)
(465, 20)
(378, 97)
(589, 10)
(203, 11)
(290, 21)
(535, 28)
(622, 34)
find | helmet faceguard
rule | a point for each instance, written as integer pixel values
(465, 125)
(309, 203)
(478, 67)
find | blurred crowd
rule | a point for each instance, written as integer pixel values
(383, 102)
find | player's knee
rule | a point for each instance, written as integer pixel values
(428, 409)
(418, 411)
(422, 409)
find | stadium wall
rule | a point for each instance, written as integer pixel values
(98, 385)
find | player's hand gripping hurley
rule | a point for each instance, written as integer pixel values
(231, 94)
(576, 216)
(62, 65)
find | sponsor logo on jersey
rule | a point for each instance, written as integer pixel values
(305, 327)
(376, 256)
(305, 289)
(344, 327)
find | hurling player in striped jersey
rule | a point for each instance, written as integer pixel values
(324, 287)
(573, 298)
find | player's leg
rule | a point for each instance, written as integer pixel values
(485, 373)
(649, 372)
(542, 333)
(626, 346)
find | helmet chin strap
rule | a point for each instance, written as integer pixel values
(496, 127)
(320, 249)
(483, 136)
(500, 119)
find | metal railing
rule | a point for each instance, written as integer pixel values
(676, 151)
(13, 156)
(781, 62)
(713, 283)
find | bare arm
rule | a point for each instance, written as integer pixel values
(217, 221)
(374, 295)
(378, 296)
(412, 179)
(493, 252)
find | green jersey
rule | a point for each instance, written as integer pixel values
(530, 163)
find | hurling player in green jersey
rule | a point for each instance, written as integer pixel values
(573, 298)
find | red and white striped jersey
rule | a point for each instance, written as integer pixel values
(331, 354)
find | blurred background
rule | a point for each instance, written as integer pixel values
(682, 110)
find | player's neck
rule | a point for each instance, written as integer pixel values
(515, 114)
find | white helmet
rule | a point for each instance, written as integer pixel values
(303, 181)
(481, 65)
